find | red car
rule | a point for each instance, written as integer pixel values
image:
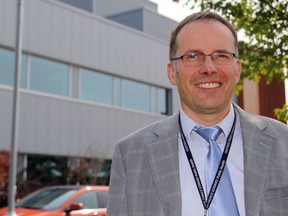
(63, 201)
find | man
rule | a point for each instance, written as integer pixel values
(163, 168)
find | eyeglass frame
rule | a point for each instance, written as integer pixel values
(203, 54)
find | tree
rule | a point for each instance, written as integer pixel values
(264, 51)
(4, 172)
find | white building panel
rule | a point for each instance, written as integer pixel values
(65, 126)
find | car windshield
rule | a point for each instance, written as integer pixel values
(47, 199)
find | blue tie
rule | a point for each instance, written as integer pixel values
(224, 202)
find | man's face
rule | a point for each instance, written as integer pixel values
(205, 89)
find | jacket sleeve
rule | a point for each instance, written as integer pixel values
(117, 202)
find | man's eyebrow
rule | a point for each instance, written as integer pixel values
(193, 51)
(221, 50)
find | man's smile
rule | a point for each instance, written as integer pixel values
(209, 85)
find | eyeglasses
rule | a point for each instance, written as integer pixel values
(197, 58)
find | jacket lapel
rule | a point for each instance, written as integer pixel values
(164, 162)
(257, 158)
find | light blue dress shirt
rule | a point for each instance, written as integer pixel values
(191, 201)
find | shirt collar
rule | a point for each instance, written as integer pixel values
(227, 122)
(188, 124)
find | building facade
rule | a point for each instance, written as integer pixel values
(87, 80)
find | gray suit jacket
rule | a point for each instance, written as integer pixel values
(145, 169)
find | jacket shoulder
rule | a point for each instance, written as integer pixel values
(151, 131)
(268, 125)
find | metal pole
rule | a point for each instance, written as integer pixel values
(15, 112)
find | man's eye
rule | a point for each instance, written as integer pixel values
(222, 55)
(192, 56)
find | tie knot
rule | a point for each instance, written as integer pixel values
(208, 133)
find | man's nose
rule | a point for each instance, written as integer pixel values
(208, 67)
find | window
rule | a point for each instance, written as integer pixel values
(7, 68)
(136, 95)
(24, 71)
(159, 100)
(53, 77)
(49, 76)
(92, 199)
(96, 87)
(117, 92)
(154, 99)
(162, 101)
(88, 199)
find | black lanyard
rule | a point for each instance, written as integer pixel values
(206, 203)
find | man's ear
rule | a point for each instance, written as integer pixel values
(172, 74)
(238, 70)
